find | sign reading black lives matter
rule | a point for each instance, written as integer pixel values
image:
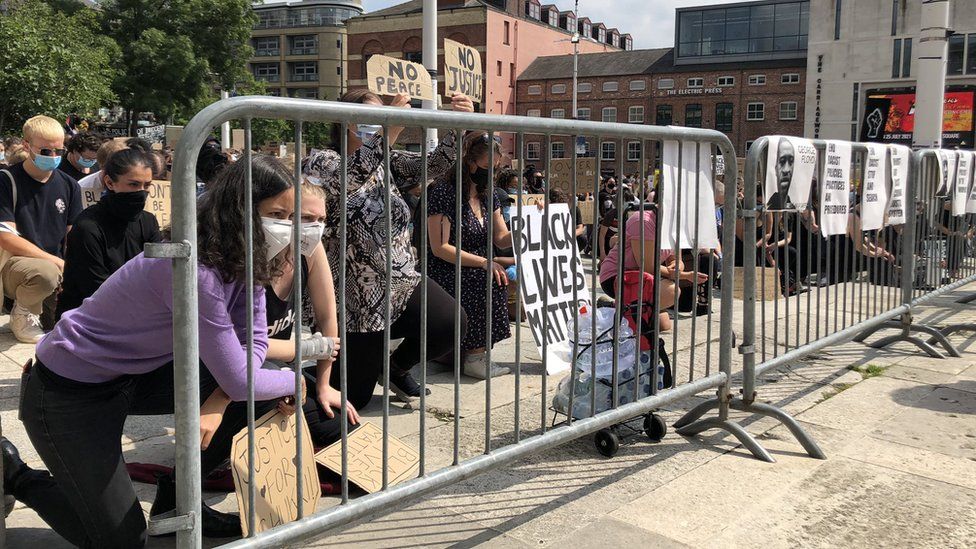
(875, 195)
(835, 189)
(964, 175)
(789, 172)
(462, 71)
(546, 282)
(391, 76)
(900, 156)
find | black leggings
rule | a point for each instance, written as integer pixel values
(365, 349)
(88, 498)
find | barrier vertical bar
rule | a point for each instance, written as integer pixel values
(489, 285)
(249, 275)
(575, 271)
(520, 147)
(296, 251)
(387, 306)
(696, 254)
(677, 262)
(424, 336)
(341, 313)
(596, 252)
(544, 397)
(458, 216)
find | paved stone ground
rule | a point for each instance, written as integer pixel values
(899, 430)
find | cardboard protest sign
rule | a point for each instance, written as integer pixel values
(790, 163)
(874, 196)
(586, 211)
(462, 71)
(835, 189)
(900, 156)
(561, 174)
(528, 199)
(365, 458)
(157, 204)
(533, 235)
(275, 474)
(237, 139)
(964, 175)
(173, 135)
(947, 172)
(390, 76)
(678, 228)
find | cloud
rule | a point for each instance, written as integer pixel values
(650, 22)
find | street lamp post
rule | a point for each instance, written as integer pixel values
(576, 40)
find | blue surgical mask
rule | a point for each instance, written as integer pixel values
(47, 163)
(3, 156)
(85, 163)
(365, 131)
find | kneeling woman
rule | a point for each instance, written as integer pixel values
(112, 357)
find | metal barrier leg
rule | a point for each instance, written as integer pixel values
(968, 299)
(735, 429)
(768, 410)
(907, 327)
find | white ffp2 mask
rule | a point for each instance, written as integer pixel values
(277, 233)
(311, 236)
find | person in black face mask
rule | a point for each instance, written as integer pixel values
(112, 231)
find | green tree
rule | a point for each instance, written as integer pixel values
(52, 63)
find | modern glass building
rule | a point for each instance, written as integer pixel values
(748, 31)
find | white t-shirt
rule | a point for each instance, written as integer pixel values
(91, 181)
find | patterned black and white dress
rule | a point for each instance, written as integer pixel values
(366, 250)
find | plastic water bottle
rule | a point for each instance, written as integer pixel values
(512, 272)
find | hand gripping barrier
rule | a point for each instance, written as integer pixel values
(503, 444)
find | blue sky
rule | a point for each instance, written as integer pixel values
(650, 22)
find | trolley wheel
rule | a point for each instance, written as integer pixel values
(607, 442)
(654, 427)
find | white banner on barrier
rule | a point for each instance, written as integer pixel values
(900, 159)
(874, 196)
(964, 175)
(790, 163)
(947, 172)
(700, 202)
(835, 189)
(971, 202)
(555, 278)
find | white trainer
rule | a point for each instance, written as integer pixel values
(476, 366)
(25, 325)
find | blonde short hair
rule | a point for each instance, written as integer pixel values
(311, 189)
(107, 149)
(43, 127)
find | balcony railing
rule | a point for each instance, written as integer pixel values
(304, 78)
(271, 52)
(267, 77)
(304, 51)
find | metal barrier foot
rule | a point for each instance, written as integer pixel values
(937, 337)
(953, 329)
(735, 429)
(871, 331)
(696, 413)
(799, 433)
(884, 342)
(968, 299)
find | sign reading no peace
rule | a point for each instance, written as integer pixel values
(392, 76)
(463, 72)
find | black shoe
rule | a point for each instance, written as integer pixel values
(215, 523)
(404, 386)
(13, 466)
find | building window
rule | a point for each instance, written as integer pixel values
(638, 85)
(583, 113)
(534, 90)
(266, 46)
(610, 114)
(756, 111)
(498, 68)
(696, 82)
(415, 57)
(791, 78)
(266, 72)
(306, 44)
(749, 145)
(303, 93)
(635, 115)
(723, 117)
(508, 30)
(511, 74)
(633, 151)
(610, 86)
(971, 54)
(557, 113)
(787, 110)
(559, 88)
(533, 112)
(584, 87)
(894, 16)
(305, 71)
(533, 150)
(609, 151)
(719, 31)
(837, 10)
(665, 84)
(855, 100)
(558, 149)
(957, 51)
(664, 115)
(757, 79)
(693, 115)
(726, 81)
(901, 58)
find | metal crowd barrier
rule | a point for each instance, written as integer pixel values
(690, 377)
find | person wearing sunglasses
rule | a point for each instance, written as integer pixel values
(38, 206)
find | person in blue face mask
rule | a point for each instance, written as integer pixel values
(81, 158)
(38, 206)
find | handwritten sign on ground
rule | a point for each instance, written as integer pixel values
(462, 71)
(365, 458)
(561, 174)
(275, 472)
(900, 156)
(790, 162)
(964, 175)
(697, 198)
(390, 76)
(549, 271)
(874, 199)
(835, 189)
(157, 204)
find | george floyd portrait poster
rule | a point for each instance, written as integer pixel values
(889, 117)
(790, 163)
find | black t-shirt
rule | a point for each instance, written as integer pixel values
(98, 245)
(44, 210)
(281, 312)
(71, 171)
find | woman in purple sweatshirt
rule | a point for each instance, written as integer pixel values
(113, 357)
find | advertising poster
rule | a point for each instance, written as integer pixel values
(889, 117)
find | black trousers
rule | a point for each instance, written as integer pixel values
(365, 349)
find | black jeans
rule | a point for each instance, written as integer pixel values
(365, 349)
(76, 428)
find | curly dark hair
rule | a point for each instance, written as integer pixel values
(505, 175)
(221, 239)
(85, 141)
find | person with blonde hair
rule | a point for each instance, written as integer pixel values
(38, 205)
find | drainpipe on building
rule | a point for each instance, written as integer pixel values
(930, 92)
(430, 62)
